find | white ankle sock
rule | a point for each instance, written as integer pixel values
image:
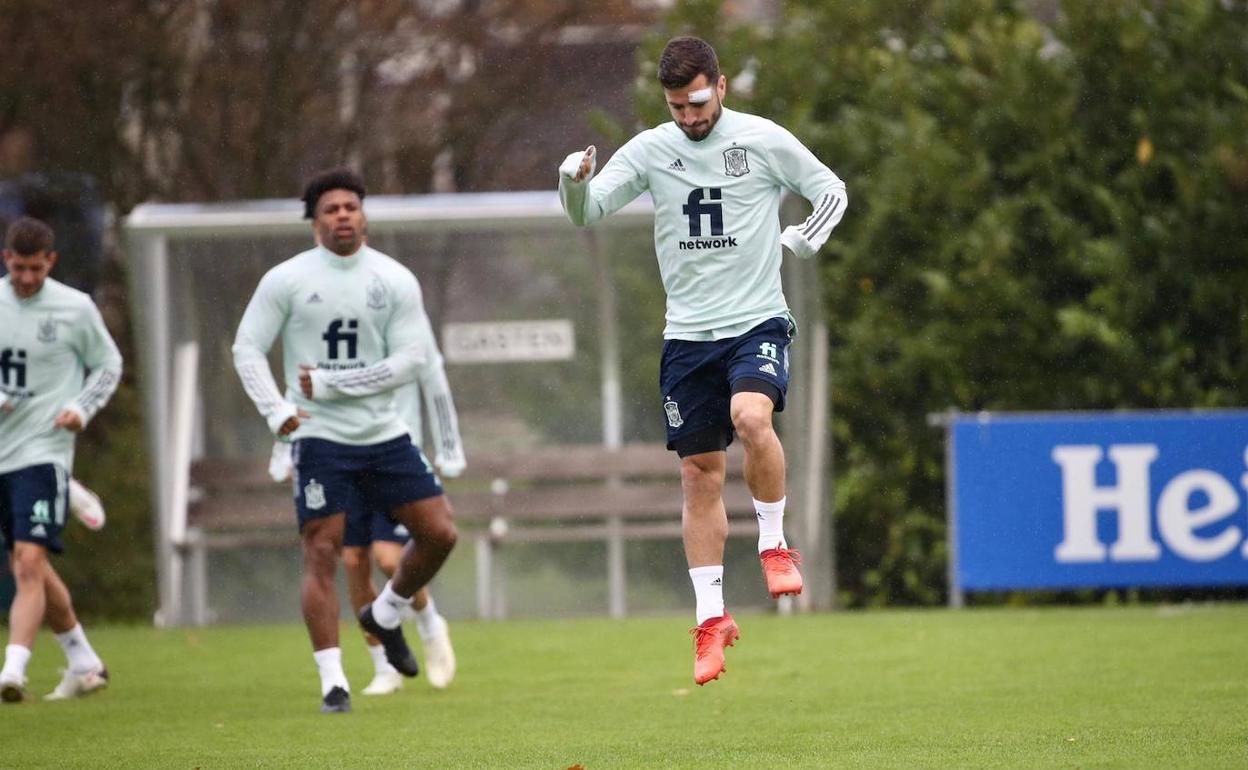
(329, 664)
(708, 587)
(78, 651)
(387, 607)
(770, 524)
(428, 622)
(15, 659)
(380, 664)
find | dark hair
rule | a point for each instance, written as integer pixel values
(334, 179)
(684, 58)
(28, 236)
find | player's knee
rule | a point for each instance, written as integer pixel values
(751, 422)
(699, 475)
(444, 534)
(320, 554)
(354, 559)
(388, 561)
(27, 565)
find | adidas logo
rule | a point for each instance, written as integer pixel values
(768, 369)
(38, 531)
(314, 299)
(676, 165)
(717, 582)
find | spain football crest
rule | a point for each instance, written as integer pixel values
(314, 496)
(673, 414)
(735, 162)
(47, 330)
(376, 294)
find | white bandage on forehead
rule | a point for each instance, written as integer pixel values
(701, 96)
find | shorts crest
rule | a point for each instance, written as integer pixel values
(673, 414)
(314, 495)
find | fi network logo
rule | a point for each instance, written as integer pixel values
(341, 331)
(13, 367)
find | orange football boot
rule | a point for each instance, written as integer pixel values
(780, 568)
(709, 640)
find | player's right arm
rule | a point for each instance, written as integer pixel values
(587, 198)
(263, 320)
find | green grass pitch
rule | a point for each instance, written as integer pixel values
(1140, 687)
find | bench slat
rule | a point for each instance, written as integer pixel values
(274, 509)
(568, 463)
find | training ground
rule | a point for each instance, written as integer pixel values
(1137, 687)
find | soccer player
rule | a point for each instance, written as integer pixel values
(58, 367)
(376, 537)
(716, 177)
(353, 328)
(372, 536)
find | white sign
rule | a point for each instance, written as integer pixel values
(475, 343)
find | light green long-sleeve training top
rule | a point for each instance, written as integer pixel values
(716, 224)
(359, 320)
(48, 344)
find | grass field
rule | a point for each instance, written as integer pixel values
(1138, 687)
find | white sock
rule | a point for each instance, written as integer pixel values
(770, 524)
(329, 664)
(387, 606)
(708, 587)
(380, 664)
(78, 651)
(15, 659)
(428, 622)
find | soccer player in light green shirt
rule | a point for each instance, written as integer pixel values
(353, 329)
(717, 177)
(58, 367)
(372, 536)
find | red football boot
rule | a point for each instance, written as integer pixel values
(709, 641)
(780, 568)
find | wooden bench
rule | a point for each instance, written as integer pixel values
(550, 494)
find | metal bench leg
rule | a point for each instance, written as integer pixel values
(485, 558)
(616, 572)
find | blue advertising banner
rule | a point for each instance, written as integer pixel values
(1098, 500)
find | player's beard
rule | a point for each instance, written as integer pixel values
(697, 133)
(347, 247)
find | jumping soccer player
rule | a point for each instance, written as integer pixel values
(51, 336)
(353, 328)
(716, 177)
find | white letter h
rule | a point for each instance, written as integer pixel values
(1082, 499)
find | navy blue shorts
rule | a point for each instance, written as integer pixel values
(697, 380)
(364, 529)
(33, 502)
(335, 478)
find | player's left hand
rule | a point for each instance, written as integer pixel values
(69, 420)
(305, 379)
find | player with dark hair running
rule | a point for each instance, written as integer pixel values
(353, 328)
(58, 367)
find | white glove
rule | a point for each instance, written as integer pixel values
(572, 165)
(451, 467)
(281, 465)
